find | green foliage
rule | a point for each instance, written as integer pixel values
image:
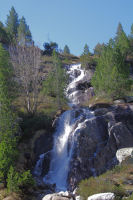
(49, 85)
(24, 34)
(93, 185)
(17, 181)
(49, 48)
(4, 39)
(119, 30)
(66, 50)
(129, 198)
(12, 23)
(87, 61)
(130, 37)
(98, 49)
(121, 40)
(55, 83)
(86, 50)
(111, 75)
(119, 192)
(8, 127)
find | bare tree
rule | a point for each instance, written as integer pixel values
(26, 63)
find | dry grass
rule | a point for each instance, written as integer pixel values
(98, 100)
(117, 180)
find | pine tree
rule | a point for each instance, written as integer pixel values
(8, 127)
(12, 23)
(112, 73)
(86, 50)
(55, 83)
(121, 40)
(4, 39)
(60, 79)
(119, 29)
(130, 37)
(98, 49)
(24, 34)
(66, 50)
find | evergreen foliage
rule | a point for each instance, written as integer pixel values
(119, 30)
(17, 181)
(98, 49)
(12, 23)
(4, 39)
(8, 127)
(55, 83)
(66, 50)
(112, 73)
(86, 50)
(24, 34)
(49, 48)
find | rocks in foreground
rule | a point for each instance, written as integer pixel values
(102, 196)
(68, 196)
(123, 153)
(59, 196)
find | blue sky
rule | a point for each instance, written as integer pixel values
(72, 22)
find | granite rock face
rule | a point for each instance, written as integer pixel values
(97, 142)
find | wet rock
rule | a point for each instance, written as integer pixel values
(100, 105)
(128, 99)
(83, 86)
(101, 111)
(102, 196)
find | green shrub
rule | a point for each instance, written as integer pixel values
(119, 192)
(129, 198)
(17, 181)
(94, 185)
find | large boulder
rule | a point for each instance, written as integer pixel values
(102, 196)
(59, 196)
(123, 153)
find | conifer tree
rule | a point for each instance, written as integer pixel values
(24, 34)
(8, 127)
(12, 23)
(86, 50)
(121, 40)
(98, 49)
(55, 83)
(111, 77)
(4, 39)
(66, 50)
(119, 29)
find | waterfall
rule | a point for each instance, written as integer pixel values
(69, 123)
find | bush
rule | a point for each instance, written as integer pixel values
(94, 185)
(111, 77)
(16, 181)
(119, 191)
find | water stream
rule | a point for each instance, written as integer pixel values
(69, 124)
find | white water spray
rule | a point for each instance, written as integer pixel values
(69, 124)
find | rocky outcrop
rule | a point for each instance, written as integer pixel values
(30, 151)
(98, 140)
(59, 196)
(123, 153)
(102, 196)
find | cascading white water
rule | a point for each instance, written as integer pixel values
(60, 154)
(69, 124)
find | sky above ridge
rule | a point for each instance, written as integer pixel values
(72, 22)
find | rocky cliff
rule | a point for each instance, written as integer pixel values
(98, 140)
